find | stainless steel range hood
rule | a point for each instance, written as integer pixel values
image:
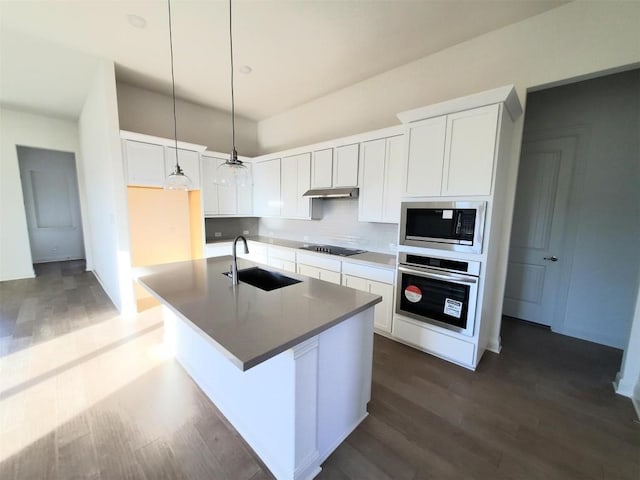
(350, 192)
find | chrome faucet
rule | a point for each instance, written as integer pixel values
(234, 264)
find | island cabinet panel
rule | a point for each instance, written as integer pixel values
(322, 168)
(469, 152)
(144, 163)
(189, 162)
(266, 188)
(381, 173)
(295, 408)
(425, 156)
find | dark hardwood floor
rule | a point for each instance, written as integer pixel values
(542, 409)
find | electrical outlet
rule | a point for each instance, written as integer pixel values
(217, 234)
(245, 232)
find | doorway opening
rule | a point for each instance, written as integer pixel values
(574, 263)
(52, 205)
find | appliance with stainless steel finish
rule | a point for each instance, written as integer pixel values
(349, 192)
(331, 250)
(456, 226)
(438, 291)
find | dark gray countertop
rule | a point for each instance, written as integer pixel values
(371, 258)
(250, 324)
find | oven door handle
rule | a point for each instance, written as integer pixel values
(450, 277)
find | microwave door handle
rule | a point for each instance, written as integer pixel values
(447, 277)
(458, 221)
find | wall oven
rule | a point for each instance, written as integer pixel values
(456, 226)
(438, 291)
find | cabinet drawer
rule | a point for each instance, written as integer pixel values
(383, 275)
(319, 262)
(355, 282)
(282, 253)
(285, 265)
(217, 249)
(434, 342)
(329, 276)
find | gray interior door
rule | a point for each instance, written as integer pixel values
(540, 212)
(52, 206)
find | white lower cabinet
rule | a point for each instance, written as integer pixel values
(217, 249)
(258, 252)
(282, 258)
(319, 273)
(435, 342)
(377, 281)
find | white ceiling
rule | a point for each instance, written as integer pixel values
(299, 49)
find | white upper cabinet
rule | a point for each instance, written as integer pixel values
(469, 151)
(296, 180)
(393, 176)
(189, 162)
(149, 160)
(381, 174)
(322, 169)
(345, 166)
(452, 155)
(266, 188)
(370, 200)
(335, 167)
(145, 163)
(219, 199)
(426, 140)
(210, 204)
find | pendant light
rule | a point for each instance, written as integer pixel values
(233, 171)
(177, 180)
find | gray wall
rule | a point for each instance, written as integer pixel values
(339, 226)
(605, 200)
(229, 228)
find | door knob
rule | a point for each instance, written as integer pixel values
(553, 258)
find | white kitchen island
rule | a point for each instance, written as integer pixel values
(289, 368)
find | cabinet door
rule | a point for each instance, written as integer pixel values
(329, 276)
(425, 157)
(372, 173)
(382, 315)
(309, 271)
(227, 199)
(393, 174)
(145, 163)
(209, 187)
(303, 208)
(322, 168)
(244, 196)
(189, 162)
(345, 166)
(470, 149)
(266, 188)
(289, 187)
(355, 282)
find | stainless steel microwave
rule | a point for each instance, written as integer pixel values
(456, 226)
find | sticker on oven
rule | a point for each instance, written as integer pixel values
(447, 214)
(413, 294)
(452, 307)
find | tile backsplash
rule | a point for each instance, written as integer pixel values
(339, 226)
(229, 228)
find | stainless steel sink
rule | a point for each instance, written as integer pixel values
(264, 279)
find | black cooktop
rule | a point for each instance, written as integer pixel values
(341, 252)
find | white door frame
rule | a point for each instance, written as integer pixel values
(582, 135)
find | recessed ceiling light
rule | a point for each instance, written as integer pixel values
(136, 21)
(245, 69)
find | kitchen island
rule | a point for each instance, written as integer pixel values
(289, 368)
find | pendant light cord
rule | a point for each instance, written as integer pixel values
(234, 154)
(173, 91)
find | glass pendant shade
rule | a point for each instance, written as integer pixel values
(233, 173)
(177, 180)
